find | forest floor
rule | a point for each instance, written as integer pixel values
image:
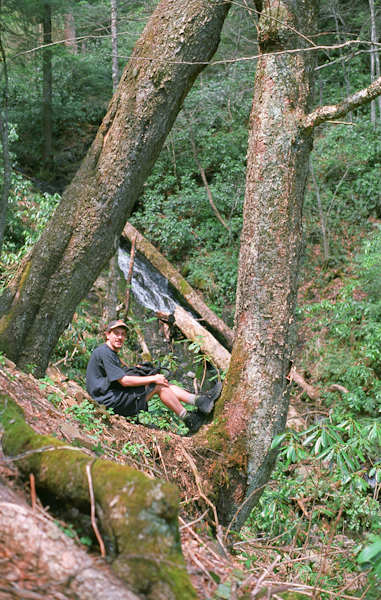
(215, 571)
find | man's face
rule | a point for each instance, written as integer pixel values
(115, 338)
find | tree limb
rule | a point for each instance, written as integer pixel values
(336, 111)
(205, 181)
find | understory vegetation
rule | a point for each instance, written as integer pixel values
(320, 516)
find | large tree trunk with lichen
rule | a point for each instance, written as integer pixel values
(253, 407)
(81, 237)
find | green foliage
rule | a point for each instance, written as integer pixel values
(370, 556)
(28, 214)
(88, 416)
(135, 449)
(71, 532)
(159, 416)
(347, 447)
(349, 352)
(347, 162)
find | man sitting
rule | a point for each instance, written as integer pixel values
(108, 384)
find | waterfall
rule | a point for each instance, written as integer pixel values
(149, 287)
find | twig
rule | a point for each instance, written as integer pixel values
(24, 594)
(264, 575)
(201, 541)
(349, 584)
(45, 449)
(199, 487)
(129, 276)
(92, 501)
(274, 591)
(200, 565)
(310, 587)
(195, 521)
(162, 460)
(364, 594)
(33, 490)
(204, 180)
(62, 360)
(322, 566)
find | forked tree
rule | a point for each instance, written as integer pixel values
(237, 458)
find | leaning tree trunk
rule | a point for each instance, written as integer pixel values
(81, 237)
(254, 404)
(47, 104)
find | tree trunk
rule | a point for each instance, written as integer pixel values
(112, 289)
(7, 168)
(374, 60)
(70, 33)
(83, 234)
(138, 514)
(47, 107)
(62, 565)
(254, 403)
(114, 44)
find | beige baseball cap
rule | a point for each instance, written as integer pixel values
(114, 324)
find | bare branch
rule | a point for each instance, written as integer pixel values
(336, 111)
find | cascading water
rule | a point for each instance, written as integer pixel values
(149, 287)
(151, 290)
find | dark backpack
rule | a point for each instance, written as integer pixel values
(144, 370)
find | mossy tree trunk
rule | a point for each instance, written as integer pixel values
(254, 404)
(139, 515)
(81, 237)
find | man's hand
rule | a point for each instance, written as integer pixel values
(160, 379)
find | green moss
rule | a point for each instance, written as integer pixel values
(138, 514)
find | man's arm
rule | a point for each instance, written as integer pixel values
(135, 380)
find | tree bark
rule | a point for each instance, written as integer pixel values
(254, 403)
(217, 354)
(112, 289)
(47, 106)
(60, 562)
(114, 44)
(179, 283)
(7, 168)
(83, 234)
(70, 33)
(374, 60)
(138, 514)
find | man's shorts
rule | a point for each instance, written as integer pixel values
(130, 401)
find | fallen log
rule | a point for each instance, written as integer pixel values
(58, 561)
(217, 354)
(138, 514)
(178, 282)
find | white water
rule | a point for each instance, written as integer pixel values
(149, 287)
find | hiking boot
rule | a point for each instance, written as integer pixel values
(193, 421)
(205, 402)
